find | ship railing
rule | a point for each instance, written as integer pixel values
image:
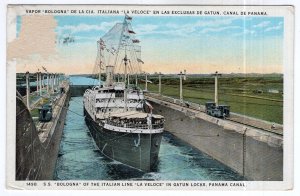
(137, 126)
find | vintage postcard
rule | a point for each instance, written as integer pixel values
(150, 97)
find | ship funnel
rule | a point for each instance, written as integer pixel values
(109, 75)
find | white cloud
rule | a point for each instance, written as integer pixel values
(142, 29)
(277, 27)
(172, 25)
(145, 28)
(273, 28)
(190, 27)
(215, 22)
(262, 24)
(213, 25)
(203, 23)
(245, 32)
(177, 32)
(93, 38)
(104, 26)
(219, 29)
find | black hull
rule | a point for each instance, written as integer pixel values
(133, 149)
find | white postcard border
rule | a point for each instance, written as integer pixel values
(267, 185)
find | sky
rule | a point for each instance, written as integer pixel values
(170, 44)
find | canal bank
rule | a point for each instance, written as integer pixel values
(37, 145)
(254, 153)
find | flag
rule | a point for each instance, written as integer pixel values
(128, 17)
(130, 31)
(44, 69)
(135, 41)
(139, 60)
(101, 42)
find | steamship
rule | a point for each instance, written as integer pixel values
(119, 118)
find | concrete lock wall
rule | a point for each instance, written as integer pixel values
(35, 159)
(51, 153)
(254, 154)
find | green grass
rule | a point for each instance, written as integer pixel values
(237, 92)
(34, 112)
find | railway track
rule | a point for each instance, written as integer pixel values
(275, 131)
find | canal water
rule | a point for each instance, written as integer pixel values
(79, 158)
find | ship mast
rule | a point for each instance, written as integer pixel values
(125, 76)
(100, 64)
(125, 64)
(125, 70)
(120, 40)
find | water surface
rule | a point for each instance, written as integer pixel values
(79, 158)
(81, 80)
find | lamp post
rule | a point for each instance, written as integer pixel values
(159, 83)
(146, 82)
(43, 81)
(216, 74)
(182, 76)
(52, 83)
(27, 90)
(48, 83)
(128, 79)
(136, 80)
(40, 82)
(37, 82)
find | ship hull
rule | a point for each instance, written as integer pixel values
(133, 149)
